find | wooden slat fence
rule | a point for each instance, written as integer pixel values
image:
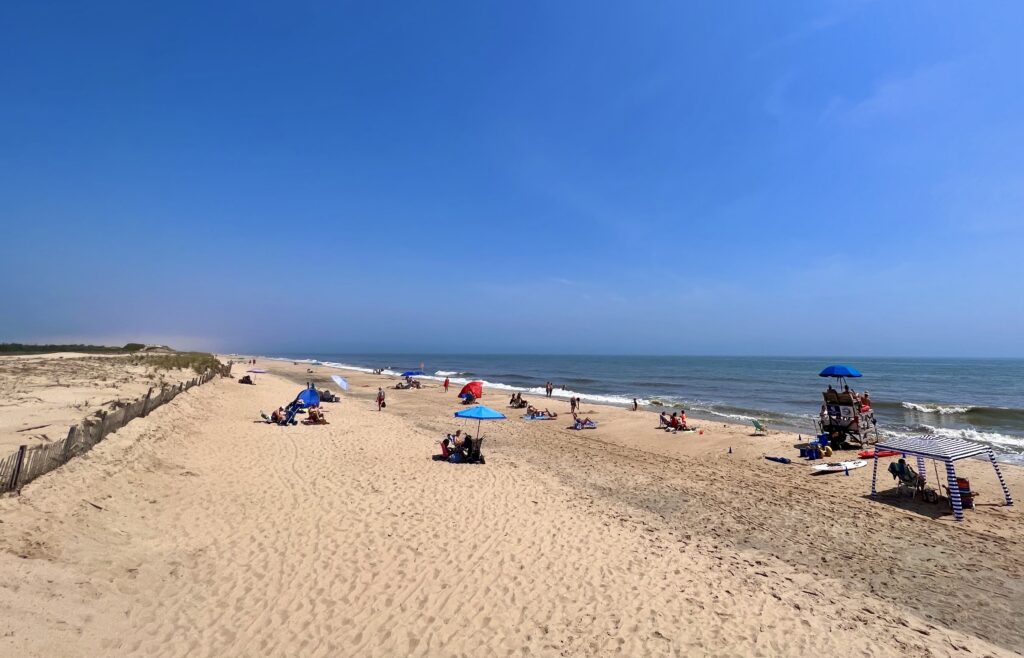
(29, 462)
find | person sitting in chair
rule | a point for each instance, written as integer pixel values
(665, 420)
(902, 471)
(316, 417)
(460, 446)
(284, 416)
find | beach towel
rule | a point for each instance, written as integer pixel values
(540, 417)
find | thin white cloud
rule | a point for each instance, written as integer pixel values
(843, 12)
(897, 96)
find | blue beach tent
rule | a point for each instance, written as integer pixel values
(309, 397)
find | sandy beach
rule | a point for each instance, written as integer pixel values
(200, 531)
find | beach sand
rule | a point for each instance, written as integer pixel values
(197, 531)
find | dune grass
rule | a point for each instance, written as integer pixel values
(200, 362)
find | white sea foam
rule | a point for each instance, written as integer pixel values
(935, 408)
(722, 414)
(539, 390)
(974, 435)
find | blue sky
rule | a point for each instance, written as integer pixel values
(658, 177)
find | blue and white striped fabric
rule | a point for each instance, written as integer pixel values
(933, 447)
(944, 450)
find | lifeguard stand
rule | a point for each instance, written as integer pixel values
(845, 418)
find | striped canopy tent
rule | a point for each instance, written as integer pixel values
(946, 451)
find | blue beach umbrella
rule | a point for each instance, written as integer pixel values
(839, 371)
(412, 373)
(340, 381)
(480, 413)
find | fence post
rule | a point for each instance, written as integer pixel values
(145, 404)
(17, 468)
(70, 441)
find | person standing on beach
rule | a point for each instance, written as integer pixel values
(572, 405)
(635, 405)
(445, 384)
(380, 398)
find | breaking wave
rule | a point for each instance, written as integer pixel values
(935, 408)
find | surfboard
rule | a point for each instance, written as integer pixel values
(836, 467)
(870, 454)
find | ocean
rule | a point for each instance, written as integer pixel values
(980, 400)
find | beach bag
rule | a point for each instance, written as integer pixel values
(383, 404)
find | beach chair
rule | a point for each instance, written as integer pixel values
(474, 456)
(760, 427)
(908, 481)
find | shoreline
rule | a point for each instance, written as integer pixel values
(778, 421)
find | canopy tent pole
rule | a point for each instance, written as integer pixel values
(954, 492)
(999, 474)
(874, 476)
(921, 470)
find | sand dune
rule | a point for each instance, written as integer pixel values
(42, 395)
(198, 532)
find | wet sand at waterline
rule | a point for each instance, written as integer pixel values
(196, 531)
